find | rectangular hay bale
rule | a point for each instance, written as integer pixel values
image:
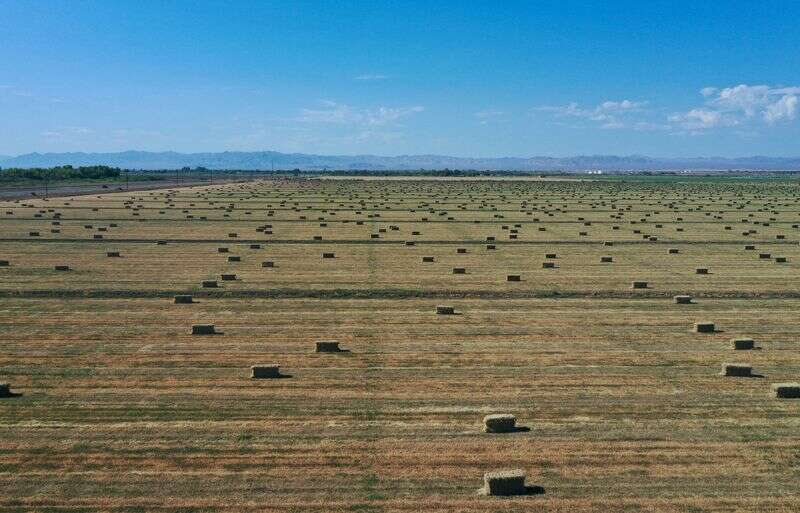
(504, 482)
(786, 390)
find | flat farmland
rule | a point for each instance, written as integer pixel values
(120, 408)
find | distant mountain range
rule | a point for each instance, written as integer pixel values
(266, 160)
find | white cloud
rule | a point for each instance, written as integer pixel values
(608, 114)
(743, 107)
(785, 108)
(377, 135)
(649, 126)
(708, 91)
(125, 133)
(624, 105)
(67, 131)
(485, 116)
(489, 113)
(744, 98)
(11, 90)
(704, 118)
(335, 113)
(700, 119)
(371, 77)
(571, 109)
(740, 105)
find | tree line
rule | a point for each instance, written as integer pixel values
(59, 173)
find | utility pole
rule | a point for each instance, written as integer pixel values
(46, 176)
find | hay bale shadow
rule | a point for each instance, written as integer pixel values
(534, 490)
(758, 376)
(529, 490)
(510, 431)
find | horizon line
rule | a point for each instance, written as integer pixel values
(343, 155)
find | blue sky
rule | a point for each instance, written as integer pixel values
(459, 78)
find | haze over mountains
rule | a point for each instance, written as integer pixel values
(266, 160)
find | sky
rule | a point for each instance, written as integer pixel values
(463, 78)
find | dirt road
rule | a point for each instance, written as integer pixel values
(27, 192)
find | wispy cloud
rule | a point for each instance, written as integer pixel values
(11, 90)
(486, 116)
(66, 131)
(370, 76)
(701, 119)
(650, 126)
(336, 113)
(16, 93)
(126, 133)
(608, 114)
(333, 126)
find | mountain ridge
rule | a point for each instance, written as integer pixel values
(265, 160)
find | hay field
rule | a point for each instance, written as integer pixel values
(121, 409)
